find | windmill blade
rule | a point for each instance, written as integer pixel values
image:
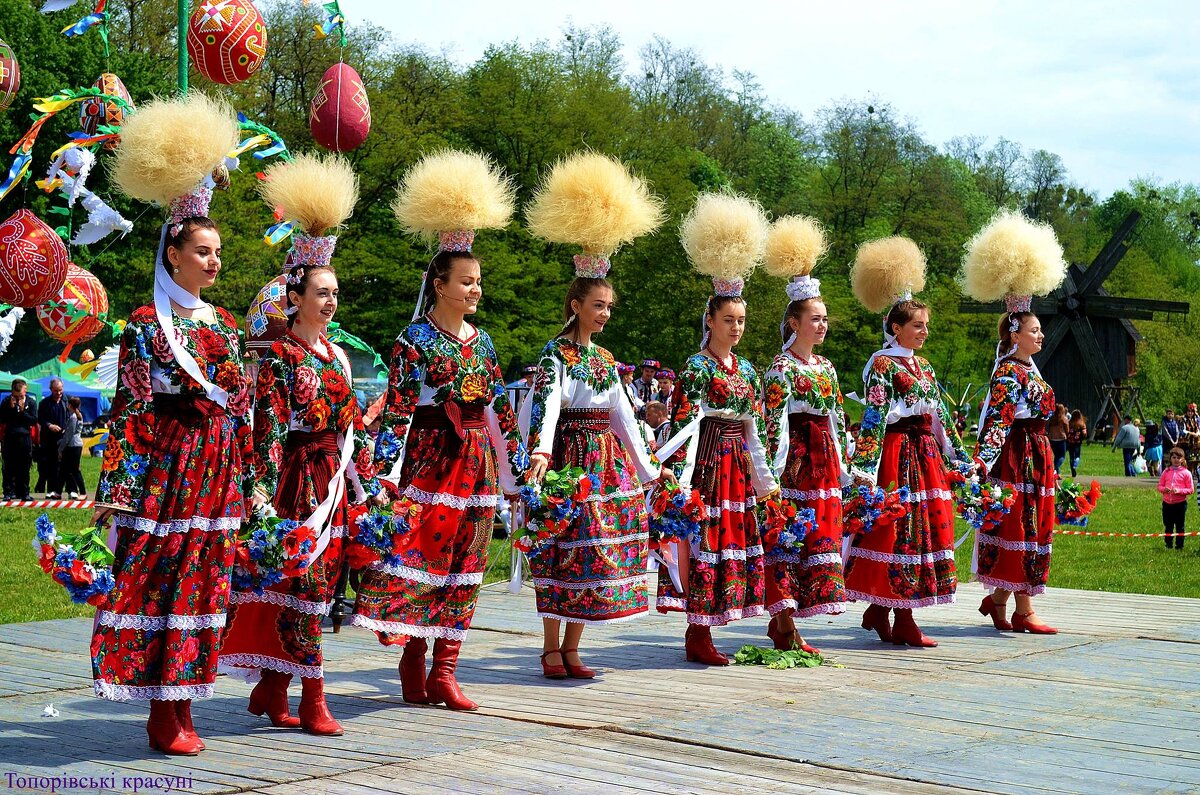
(1133, 308)
(1046, 305)
(1055, 329)
(1089, 350)
(1110, 255)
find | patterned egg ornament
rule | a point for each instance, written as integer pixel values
(10, 76)
(73, 315)
(95, 112)
(33, 261)
(226, 40)
(267, 319)
(340, 114)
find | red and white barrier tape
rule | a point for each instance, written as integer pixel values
(1121, 535)
(46, 504)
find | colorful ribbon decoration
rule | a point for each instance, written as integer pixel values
(98, 17)
(335, 333)
(334, 19)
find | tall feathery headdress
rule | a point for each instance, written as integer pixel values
(886, 272)
(317, 194)
(592, 201)
(1012, 258)
(447, 196)
(794, 244)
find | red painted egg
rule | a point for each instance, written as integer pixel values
(10, 76)
(95, 112)
(73, 315)
(226, 40)
(340, 115)
(33, 261)
(266, 321)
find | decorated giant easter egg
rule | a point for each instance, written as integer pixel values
(10, 76)
(267, 320)
(226, 40)
(340, 115)
(95, 112)
(33, 261)
(74, 314)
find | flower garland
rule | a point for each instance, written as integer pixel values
(270, 549)
(382, 532)
(868, 507)
(80, 563)
(786, 525)
(981, 505)
(1072, 505)
(675, 515)
(551, 507)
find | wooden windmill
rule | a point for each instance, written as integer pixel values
(1090, 346)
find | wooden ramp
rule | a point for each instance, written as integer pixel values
(1111, 705)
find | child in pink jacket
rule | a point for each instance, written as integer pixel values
(1175, 484)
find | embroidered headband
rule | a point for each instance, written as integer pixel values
(189, 205)
(591, 266)
(458, 240)
(802, 288)
(728, 288)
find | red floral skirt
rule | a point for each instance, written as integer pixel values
(810, 583)
(909, 563)
(280, 629)
(724, 574)
(595, 572)
(1016, 555)
(432, 592)
(158, 634)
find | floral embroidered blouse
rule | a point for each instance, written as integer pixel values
(305, 389)
(795, 387)
(148, 367)
(583, 377)
(430, 366)
(707, 388)
(896, 390)
(1017, 393)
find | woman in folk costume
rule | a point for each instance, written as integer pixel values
(906, 441)
(173, 478)
(718, 409)
(308, 440)
(580, 416)
(449, 439)
(1014, 258)
(806, 427)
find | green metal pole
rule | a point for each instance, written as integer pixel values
(183, 55)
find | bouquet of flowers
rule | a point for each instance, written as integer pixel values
(786, 525)
(270, 549)
(1072, 504)
(551, 507)
(675, 515)
(381, 532)
(80, 563)
(866, 507)
(981, 505)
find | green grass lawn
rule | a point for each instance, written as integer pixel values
(1132, 565)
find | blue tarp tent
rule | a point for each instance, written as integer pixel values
(92, 401)
(32, 387)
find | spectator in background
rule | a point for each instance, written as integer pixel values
(645, 386)
(70, 451)
(18, 415)
(1128, 441)
(1076, 433)
(659, 421)
(628, 371)
(1170, 430)
(52, 416)
(1189, 436)
(1153, 449)
(1175, 485)
(666, 385)
(529, 373)
(1056, 431)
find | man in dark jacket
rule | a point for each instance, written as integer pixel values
(52, 417)
(18, 415)
(1128, 441)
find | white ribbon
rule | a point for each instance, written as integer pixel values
(517, 519)
(890, 348)
(665, 556)
(337, 484)
(681, 438)
(166, 291)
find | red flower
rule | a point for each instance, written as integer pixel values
(46, 559)
(584, 489)
(441, 370)
(718, 391)
(335, 386)
(291, 545)
(139, 432)
(230, 377)
(318, 414)
(467, 352)
(266, 381)
(191, 647)
(359, 557)
(290, 353)
(80, 573)
(211, 347)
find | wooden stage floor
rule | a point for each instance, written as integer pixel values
(1111, 705)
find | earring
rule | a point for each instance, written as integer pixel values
(176, 269)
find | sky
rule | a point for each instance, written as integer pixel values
(1111, 87)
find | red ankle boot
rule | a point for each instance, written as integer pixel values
(1021, 623)
(905, 632)
(698, 646)
(183, 712)
(876, 617)
(412, 671)
(441, 685)
(269, 697)
(989, 608)
(166, 734)
(315, 717)
(783, 641)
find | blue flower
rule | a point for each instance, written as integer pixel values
(387, 445)
(135, 464)
(45, 529)
(871, 418)
(421, 333)
(520, 459)
(531, 498)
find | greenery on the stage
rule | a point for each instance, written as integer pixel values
(859, 165)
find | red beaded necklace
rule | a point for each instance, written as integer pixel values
(326, 357)
(731, 368)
